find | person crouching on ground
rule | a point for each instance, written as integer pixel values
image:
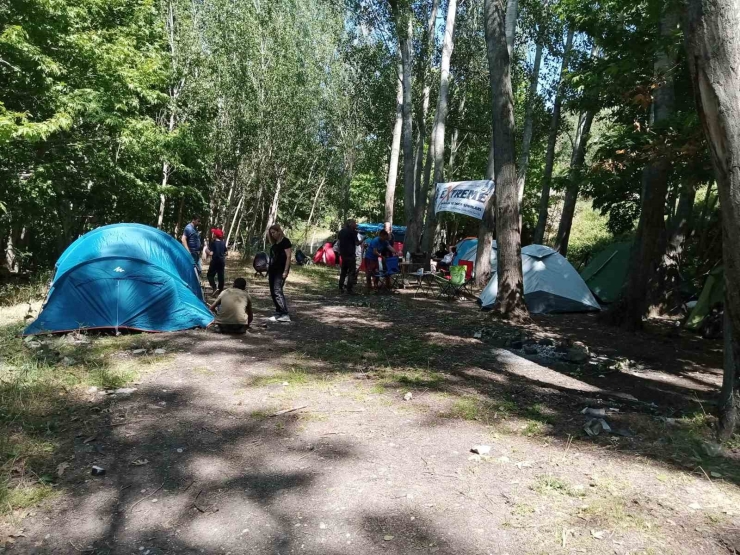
(348, 242)
(278, 270)
(235, 313)
(375, 250)
(217, 251)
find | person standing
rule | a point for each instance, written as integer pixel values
(278, 270)
(348, 242)
(191, 241)
(375, 249)
(217, 251)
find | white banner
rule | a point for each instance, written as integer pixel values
(463, 197)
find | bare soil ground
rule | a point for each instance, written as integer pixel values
(198, 459)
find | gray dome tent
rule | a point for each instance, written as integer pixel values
(551, 284)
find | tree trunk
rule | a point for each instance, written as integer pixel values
(455, 143)
(426, 60)
(412, 229)
(440, 119)
(713, 48)
(313, 207)
(552, 140)
(178, 225)
(529, 123)
(645, 250)
(665, 294)
(574, 182)
(273, 213)
(510, 299)
(390, 186)
(512, 9)
(162, 196)
(237, 213)
(349, 174)
(729, 396)
(486, 229)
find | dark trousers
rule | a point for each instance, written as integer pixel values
(348, 273)
(216, 269)
(276, 292)
(231, 328)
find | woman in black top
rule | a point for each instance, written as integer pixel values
(277, 272)
(217, 251)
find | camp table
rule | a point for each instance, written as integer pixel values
(410, 269)
(427, 283)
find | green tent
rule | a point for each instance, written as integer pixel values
(713, 293)
(606, 272)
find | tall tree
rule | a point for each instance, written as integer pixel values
(510, 299)
(575, 176)
(529, 122)
(438, 131)
(713, 47)
(632, 307)
(552, 139)
(488, 221)
(404, 27)
(390, 186)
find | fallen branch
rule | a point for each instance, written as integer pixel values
(130, 422)
(146, 497)
(196, 499)
(285, 411)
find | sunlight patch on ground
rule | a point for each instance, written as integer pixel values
(10, 315)
(529, 370)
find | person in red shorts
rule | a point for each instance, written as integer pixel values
(375, 249)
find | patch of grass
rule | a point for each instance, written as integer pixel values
(24, 496)
(472, 408)
(540, 413)
(613, 512)
(261, 414)
(522, 509)
(42, 381)
(533, 428)
(549, 484)
(21, 290)
(295, 377)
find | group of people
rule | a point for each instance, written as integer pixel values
(349, 241)
(233, 307)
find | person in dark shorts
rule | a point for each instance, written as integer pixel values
(375, 249)
(278, 270)
(191, 241)
(217, 251)
(234, 306)
(348, 242)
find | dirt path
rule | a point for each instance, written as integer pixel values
(358, 469)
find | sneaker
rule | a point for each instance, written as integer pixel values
(283, 318)
(272, 319)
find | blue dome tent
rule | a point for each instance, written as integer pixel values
(123, 276)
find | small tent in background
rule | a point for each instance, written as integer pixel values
(123, 276)
(325, 255)
(463, 249)
(606, 272)
(551, 284)
(712, 293)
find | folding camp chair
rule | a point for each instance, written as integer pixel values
(452, 287)
(468, 286)
(389, 270)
